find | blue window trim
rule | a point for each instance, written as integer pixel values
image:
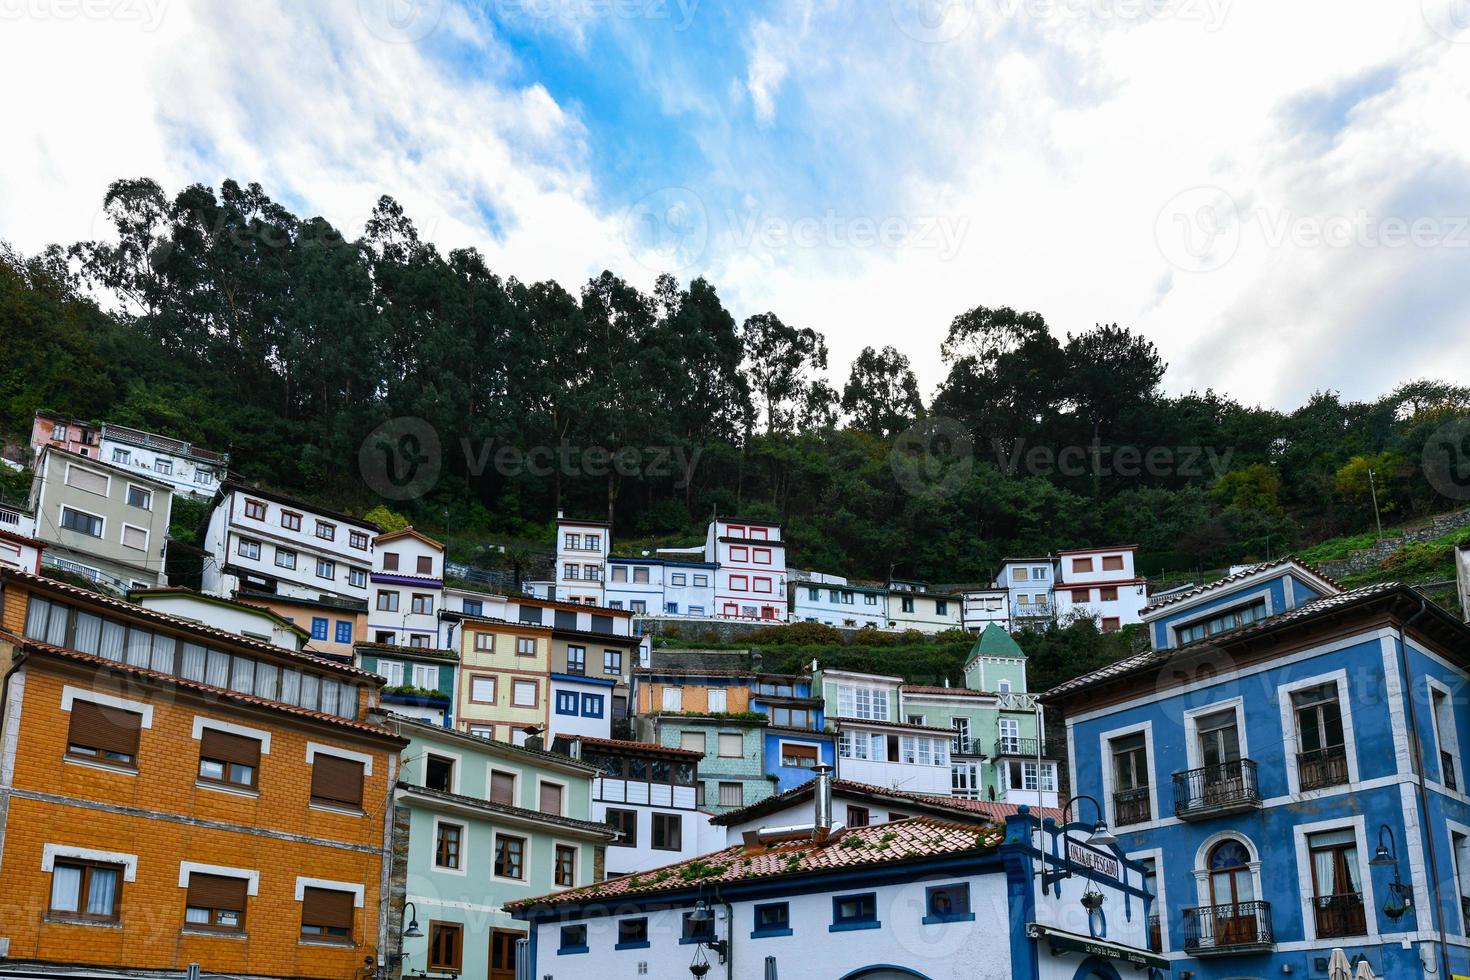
(852, 925)
(639, 945)
(318, 627)
(590, 702)
(474, 607)
(566, 703)
(759, 933)
(344, 631)
(564, 949)
(933, 918)
(636, 944)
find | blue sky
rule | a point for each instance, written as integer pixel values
(1275, 194)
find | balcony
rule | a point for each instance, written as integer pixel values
(1019, 748)
(1214, 791)
(1340, 916)
(1132, 806)
(1015, 701)
(1155, 934)
(1033, 610)
(1223, 930)
(1318, 770)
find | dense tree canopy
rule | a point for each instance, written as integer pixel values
(221, 317)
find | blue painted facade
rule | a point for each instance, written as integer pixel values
(1262, 862)
(784, 701)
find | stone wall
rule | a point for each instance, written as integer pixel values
(1369, 558)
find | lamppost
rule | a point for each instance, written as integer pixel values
(1399, 896)
(412, 932)
(701, 916)
(1100, 837)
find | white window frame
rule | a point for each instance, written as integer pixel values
(1300, 832)
(1452, 736)
(50, 852)
(1191, 728)
(250, 876)
(671, 699)
(1105, 742)
(454, 773)
(464, 843)
(66, 479)
(147, 491)
(1233, 601)
(724, 697)
(1201, 869)
(565, 790)
(122, 538)
(1291, 742)
(60, 514)
(525, 880)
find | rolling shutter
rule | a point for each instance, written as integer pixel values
(326, 908)
(217, 892)
(502, 788)
(550, 798)
(336, 780)
(105, 729)
(226, 747)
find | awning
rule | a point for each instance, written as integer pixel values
(1061, 941)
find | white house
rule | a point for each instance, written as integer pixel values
(186, 468)
(647, 793)
(581, 706)
(266, 543)
(915, 899)
(581, 561)
(1029, 582)
(875, 745)
(750, 582)
(981, 607)
(830, 599)
(1100, 584)
(636, 584)
(407, 589)
(911, 606)
(1462, 573)
(21, 551)
(254, 622)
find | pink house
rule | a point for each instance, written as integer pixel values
(71, 435)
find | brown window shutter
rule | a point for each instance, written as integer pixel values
(336, 780)
(226, 747)
(503, 788)
(326, 908)
(104, 728)
(217, 892)
(550, 798)
(426, 565)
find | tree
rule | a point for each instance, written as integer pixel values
(1005, 373)
(881, 396)
(779, 362)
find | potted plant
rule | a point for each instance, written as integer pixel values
(1092, 900)
(1395, 907)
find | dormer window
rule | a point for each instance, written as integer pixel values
(1223, 622)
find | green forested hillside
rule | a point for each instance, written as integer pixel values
(220, 317)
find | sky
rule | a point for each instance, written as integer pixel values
(1276, 194)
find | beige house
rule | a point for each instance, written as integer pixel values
(101, 521)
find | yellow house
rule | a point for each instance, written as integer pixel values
(504, 682)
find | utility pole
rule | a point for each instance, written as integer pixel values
(1373, 489)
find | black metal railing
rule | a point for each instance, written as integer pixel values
(1229, 785)
(1447, 770)
(1224, 927)
(1340, 915)
(1023, 747)
(1132, 806)
(960, 744)
(1155, 934)
(1325, 767)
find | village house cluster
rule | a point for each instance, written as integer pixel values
(337, 760)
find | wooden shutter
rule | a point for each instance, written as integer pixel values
(550, 798)
(104, 728)
(336, 780)
(326, 908)
(226, 747)
(503, 788)
(217, 892)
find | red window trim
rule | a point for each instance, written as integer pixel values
(758, 552)
(757, 584)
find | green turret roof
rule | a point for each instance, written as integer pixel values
(994, 641)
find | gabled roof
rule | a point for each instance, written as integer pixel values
(1281, 564)
(858, 847)
(238, 486)
(175, 590)
(406, 652)
(950, 807)
(409, 532)
(511, 814)
(634, 748)
(994, 641)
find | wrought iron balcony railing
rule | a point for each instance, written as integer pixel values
(1026, 748)
(1210, 791)
(1340, 915)
(1219, 929)
(1327, 767)
(1132, 806)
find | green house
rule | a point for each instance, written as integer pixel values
(477, 824)
(419, 682)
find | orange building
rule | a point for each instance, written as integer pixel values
(173, 794)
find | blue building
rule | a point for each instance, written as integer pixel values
(796, 739)
(1287, 763)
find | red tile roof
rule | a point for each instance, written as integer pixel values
(626, 746)
(913, 839)
(850, 788)
(840, 720)
(1170, 598)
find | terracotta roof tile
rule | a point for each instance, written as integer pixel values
(850, 788)
(889, 724)
(1282, 563)
(617, 743)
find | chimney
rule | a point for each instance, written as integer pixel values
(822, 797)
(946, 682)
(560, 514)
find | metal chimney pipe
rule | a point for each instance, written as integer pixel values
(822, 779)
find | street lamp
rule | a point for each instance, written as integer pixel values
(413, 931)
(1387, 856)
(701, 916)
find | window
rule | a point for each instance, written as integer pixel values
(773, 919)
(739, 553)
(134, 537)
(482, 689)
(791, 717)
(1111, 624)
(718, 701)
(1112, 563)
(326, 915)
(1444, 736)
(731, 746)
(140, 498)
(907, 603)
(551, 798)
(248, 549)
(121, 456)
(566, 702)
(1081, 565)
(668, 832)
(1221, 622)
(632, 934)
(740, 583)
(799, 756)
(357, 578)
(503, 788)
(592, 705)
(576, 660)
(336, 781)
(80, 522)
(422, 605)
(215, 902)
(318, 627)
(1081, 595)
(1131, 802)
(678, 578)
(1109, 594)
(525, 646)
(448, 840)
(1321, 755)
(947, 903)
(358, 540)
(425, 564)
(941, 607)
(325, 531)
(761, 556)
(344, 631)
(701, 581)
(730, 794)
(446, 947)
(163, 466)
(640, 576)
(692, 742)
(255, 510)
(762, 584)
(285, 558)
(854, 912)
(857, 816)
(620, 573)
(86, 890)
(387, 601)
(697, 931)
(573, 939)
(626, 823)
(510, 856)
(426, 677)
(103, 734)
(673, 699)
(392, 673)
(696, 610)
(612, 662)
(1010, 735)
(227, 759)
(863, 702)
(474, 607)
(853, 745)
(439, 772)
(325, 569)
(638, 606)
(290, 520)
(523, 694)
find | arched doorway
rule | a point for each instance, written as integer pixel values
(1232, 892)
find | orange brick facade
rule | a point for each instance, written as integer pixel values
(163, 816)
